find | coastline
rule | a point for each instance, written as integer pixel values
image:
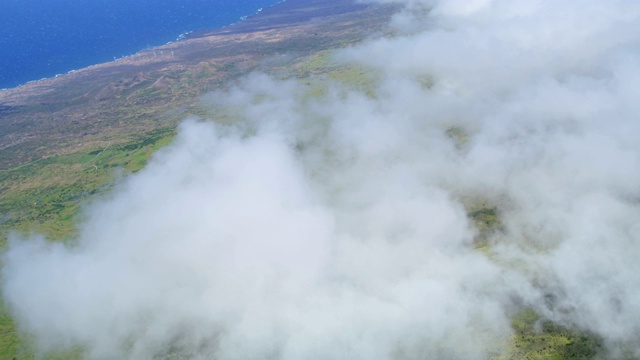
(282, 14)
(156, 87)
(180, 37)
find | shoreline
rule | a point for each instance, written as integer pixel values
(156, 87)
(181, 37)
(283, 15)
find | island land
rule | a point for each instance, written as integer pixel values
(65, 139)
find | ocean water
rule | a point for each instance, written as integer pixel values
(42, 38)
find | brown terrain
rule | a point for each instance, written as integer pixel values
(158, 87)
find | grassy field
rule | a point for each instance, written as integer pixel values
(45, 197)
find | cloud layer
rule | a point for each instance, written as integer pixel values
(336, 226)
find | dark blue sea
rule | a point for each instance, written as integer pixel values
(42, 38)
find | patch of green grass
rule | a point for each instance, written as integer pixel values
(356, 77)
(485, 217)
(534, 338)
(16, 346)
(9, 339)
(45, 197)
(145, 92)
(537, 338)
(322, 66)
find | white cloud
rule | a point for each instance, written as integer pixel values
(334, 227)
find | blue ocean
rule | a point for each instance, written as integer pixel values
(42, 38)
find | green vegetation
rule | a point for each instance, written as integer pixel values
(44, 196)
(14, 346)
(320, 66)
(9, 341)
(536, 338)
(485, 217)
